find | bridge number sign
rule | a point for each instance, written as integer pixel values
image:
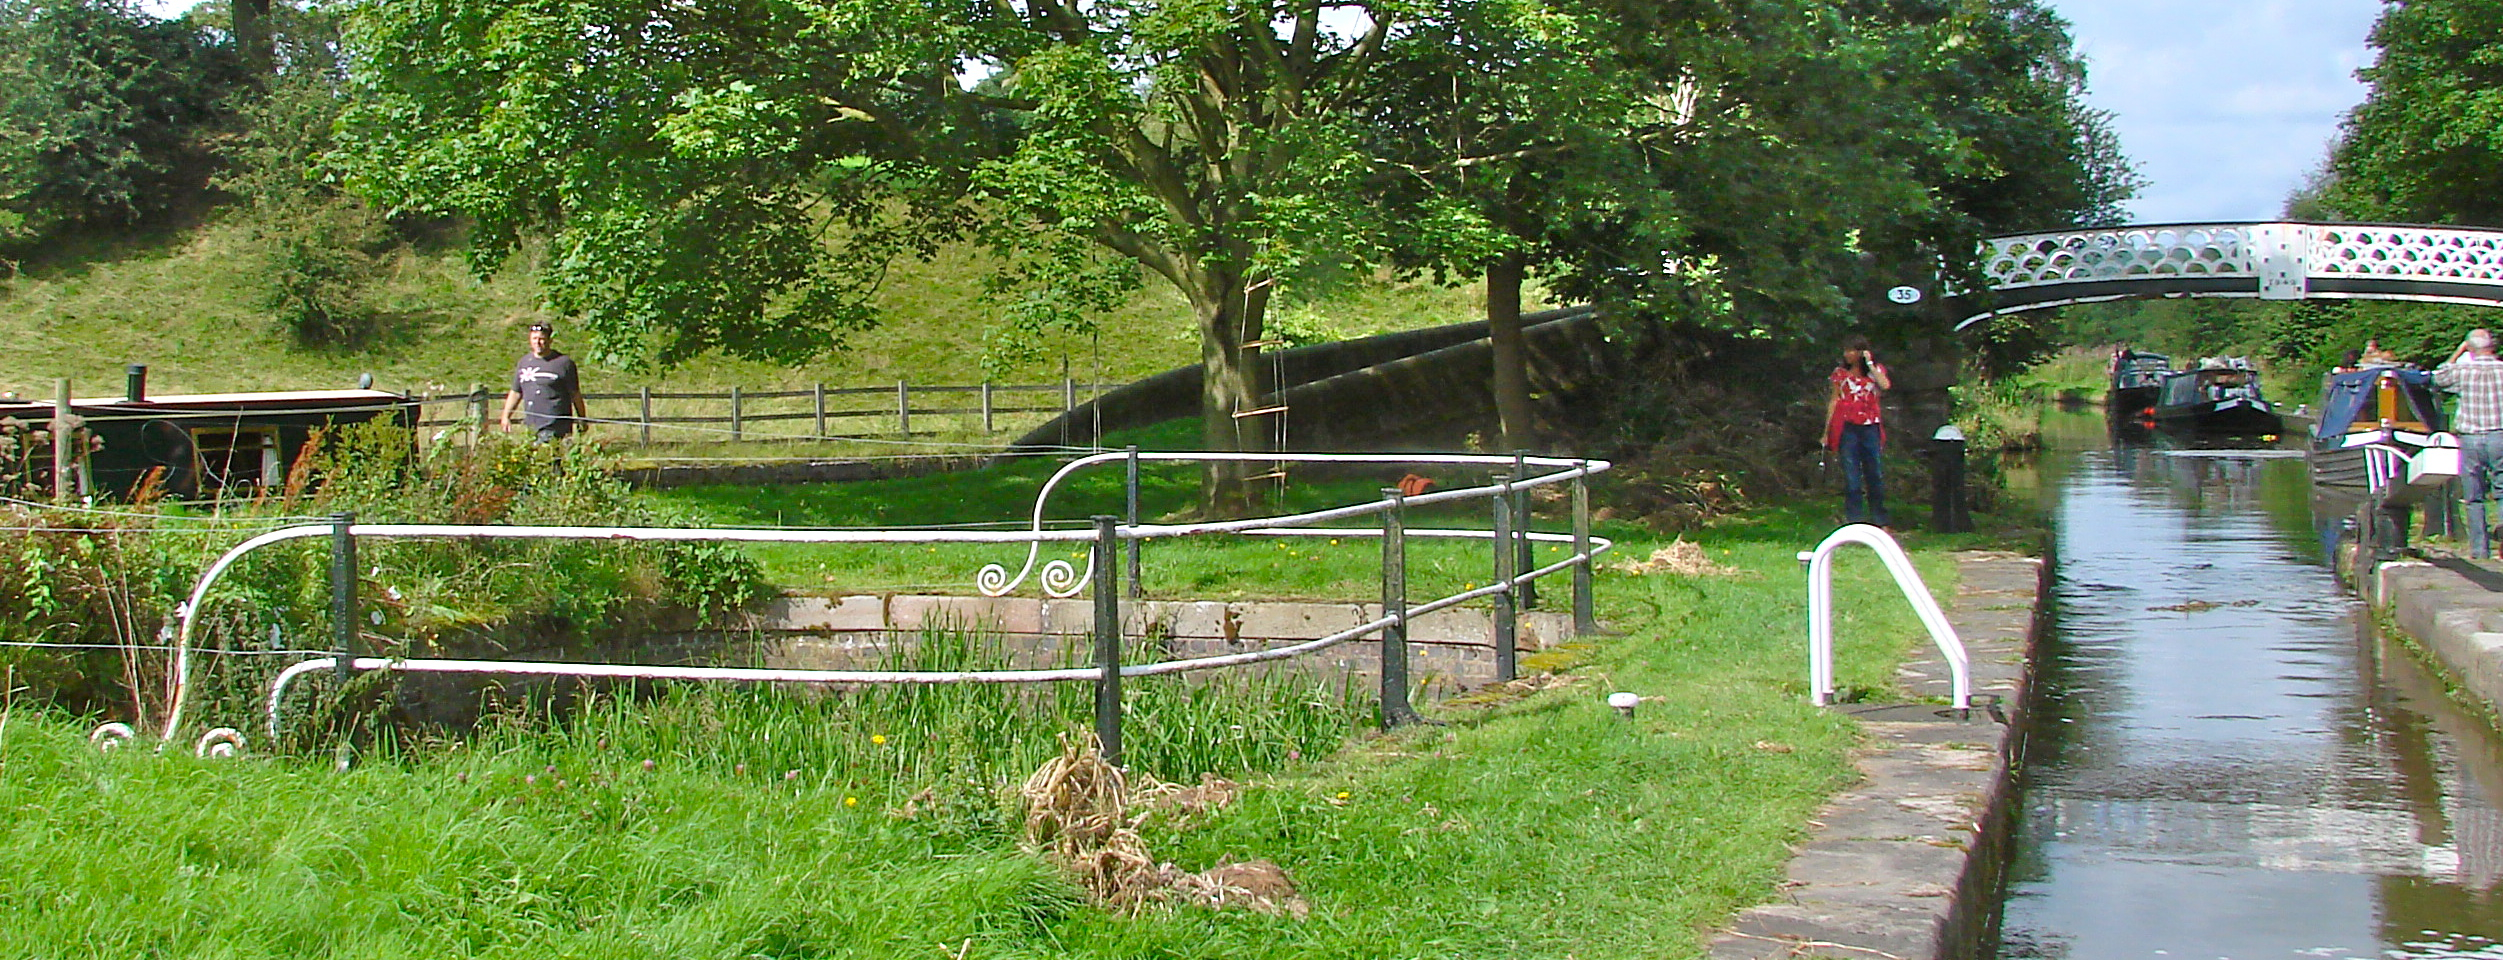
(1904, 295)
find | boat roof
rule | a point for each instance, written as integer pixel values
(265, 402)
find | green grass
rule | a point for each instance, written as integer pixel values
(183, 303)
(1540, 828)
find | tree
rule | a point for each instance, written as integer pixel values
(104, 114)
(2426, 145)
(734, 175)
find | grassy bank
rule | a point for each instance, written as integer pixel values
(185, 303)
(772, 824)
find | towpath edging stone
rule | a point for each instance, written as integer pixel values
(2454, 610)
(1906, 863)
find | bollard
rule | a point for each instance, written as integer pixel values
(343, 626)
(1506, 627)
(1948, 511)
(1585, 621)
(1523, 559)
(1107, 641)
(1396, 710)
(1138, 589)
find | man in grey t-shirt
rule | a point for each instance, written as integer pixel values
(546, 388)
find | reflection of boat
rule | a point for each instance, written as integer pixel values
(2376, 426)
(2136, 378)
(2220, 398)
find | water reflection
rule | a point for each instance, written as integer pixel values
(2227, 761)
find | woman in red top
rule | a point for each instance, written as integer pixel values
(1855, 429)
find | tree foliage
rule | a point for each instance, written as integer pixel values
(2427, 143)
(105, 113)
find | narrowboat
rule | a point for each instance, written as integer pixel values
(2376, 428)
(2136, 380)
(2219, 399)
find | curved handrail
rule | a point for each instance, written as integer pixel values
(1820, 563)
(1566, 469)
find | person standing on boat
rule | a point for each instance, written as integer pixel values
(1855, 429)
(2476, 375)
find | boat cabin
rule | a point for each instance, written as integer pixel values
(210, 444)
(2377, 398)
(2208, 385)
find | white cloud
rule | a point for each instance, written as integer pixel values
(2224, 104)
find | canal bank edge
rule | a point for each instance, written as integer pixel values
(2453, 610)
(1906, 864)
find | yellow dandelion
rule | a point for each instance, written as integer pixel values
(878, 738)
(1342, 794)
(851, 801)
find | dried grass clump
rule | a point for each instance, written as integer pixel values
(1682, 557)
(1084, 814)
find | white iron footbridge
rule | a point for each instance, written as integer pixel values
(2286, 260)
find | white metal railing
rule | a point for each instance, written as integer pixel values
(1060, 578)
(1820, 564)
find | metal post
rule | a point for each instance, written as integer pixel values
(647, 412)
(1524, 559)
(1506, 625)
(1130, 515)
(1585, 623)
(1107, 641)
(343, 625)
(737, 428)
(1396, 710)
(903, 408)
(64, 424)
(817, 398)
(986, 408)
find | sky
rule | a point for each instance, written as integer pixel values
(2224, 105)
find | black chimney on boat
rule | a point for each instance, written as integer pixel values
(137, 391)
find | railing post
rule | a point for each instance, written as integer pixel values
(646, 419)
(1396, 710)
(1506, 626)
(343, 625)
(817, 400)
(987, 427)
(478, 411)
(1068, 396)
(1523, 559)
(737, 428)
(1585, 622)
(1130, 515)
(1107, 641)
(903, 408)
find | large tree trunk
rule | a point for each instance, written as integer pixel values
(1230, 319)
(1503, 331)
(252, 40)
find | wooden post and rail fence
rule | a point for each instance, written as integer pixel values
(740, 414)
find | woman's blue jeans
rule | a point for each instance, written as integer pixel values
(1863, 479)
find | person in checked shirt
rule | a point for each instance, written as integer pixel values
(2476, 375)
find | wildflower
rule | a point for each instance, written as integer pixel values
(1342, 794)
(878, 738)
(790, 775)
(851, 801)
(648, 765)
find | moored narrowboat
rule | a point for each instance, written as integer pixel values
(2136, 379)
(2374, 423)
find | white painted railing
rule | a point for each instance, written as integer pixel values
(1060, 579)
(1820, 564)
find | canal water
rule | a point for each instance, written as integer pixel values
(2227, 761)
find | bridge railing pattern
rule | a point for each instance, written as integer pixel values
(2269, 261)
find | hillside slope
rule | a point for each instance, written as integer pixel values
(184, 304)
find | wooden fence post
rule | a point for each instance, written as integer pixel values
(903, 408)
(63, 425)
(647, 413)
(1068, 396)
(737, 429)
(986, 407)
(817, 392)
